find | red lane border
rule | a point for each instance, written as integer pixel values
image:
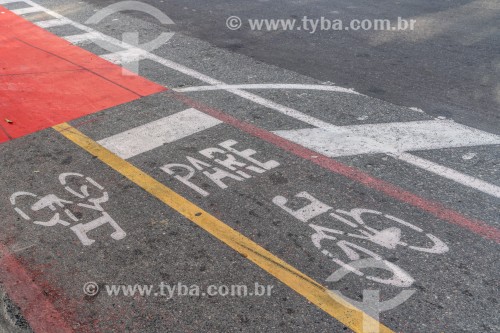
(33, 302)
(438, 210)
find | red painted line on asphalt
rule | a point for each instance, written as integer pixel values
(45, 80)
(31, 299)
(438, 210)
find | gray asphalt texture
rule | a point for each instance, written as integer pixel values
(448, 66)
(456, 291)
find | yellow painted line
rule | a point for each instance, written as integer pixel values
(334, 305)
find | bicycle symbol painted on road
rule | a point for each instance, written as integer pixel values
(51, 210)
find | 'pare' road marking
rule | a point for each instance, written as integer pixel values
(441, 212)
(436, 209)
(317, 294)
(433, 167)
(133, 53)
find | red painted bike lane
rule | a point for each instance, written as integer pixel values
(45, 80)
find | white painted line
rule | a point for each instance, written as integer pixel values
(335, 143)
(209, 80)
(451, 174)
(389, 138)
(244, 94)
(81, 38)
(3, 2)
(290, 112)
(269, 86)
(126, 56)
(51, 23)
(154, 134)
(29, 10)
(397, 138)
(188, 71)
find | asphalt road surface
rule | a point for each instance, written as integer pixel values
(449, 65)
(248, 181)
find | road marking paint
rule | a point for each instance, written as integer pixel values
(188, 213)
(29, 10)
(39, 94)
(81, 38)
(469, 156)
(156, 133)
(397, 138)
(456, 176)
(317, 294)
(62, 213)
(51, 23)
(244, 94)
(3, 2)
(269, 86)
(275, 106)
(195, 74)
(416, 109)
(237, 165)
(438, 210)
(390, 138)
(4, 135)
(126, 56)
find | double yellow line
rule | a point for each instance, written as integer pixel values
(334, 305)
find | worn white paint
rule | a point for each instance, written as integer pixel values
(52, 23)
(228, 166)
(469, 156)
(356, 225)
(57, 207)
(396, 139)
(269, 86)
(451, 174)
(417, 109)
(81, 38)
(28, 10)
(392, 138)
(154, 134)
(320, 124)
(126, 56)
